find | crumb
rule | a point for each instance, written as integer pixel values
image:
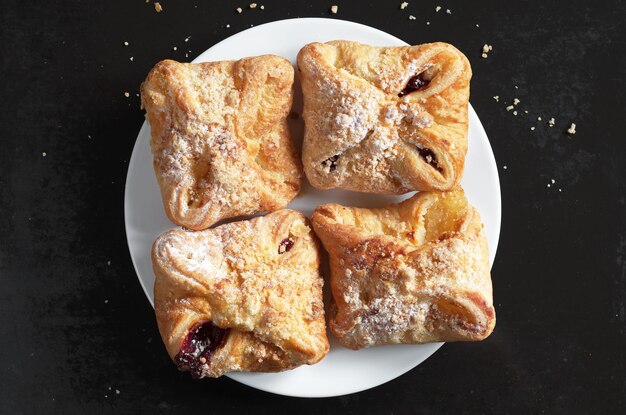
(125, 43)
(516, 101)
(252, 5)
(548, 185)
(117, 391)
(504, 167)
(552, 181)
(427, 23)
(514, 112)
(437, 9)
(559, 189)
(486, 49)
(403, 5)
(227, 26)
(334, 9)
(515, 86)
(131, 58)
(108, 262)
(262, 7)
(572, 129)
(187, 38)
(532, 128)
(551, 122)
(186, 55)
(174, 48)
(44, 154)
(158, 7)
(509, 108)
(106, 301)
(238, 9)
(126, 94)
(538, 118)
(411, 17)
(497, 98)
(448, 11)
(483, 55)
(525, 111)
(477, 25)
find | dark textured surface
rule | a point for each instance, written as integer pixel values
(74, 322)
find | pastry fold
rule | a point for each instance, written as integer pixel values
(244, 296)
(384, 120)
(414, 272)
(220, 140)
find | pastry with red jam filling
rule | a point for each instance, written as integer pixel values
(244, 296)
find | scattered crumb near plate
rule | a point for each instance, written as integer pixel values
(559, 189)
(516, 87)
(504, 167)
(551, 122)
(158, 7)
(44, 154)
(117, 391)
(108, 262)
(403, 5)
(516, 101)
(510, 107)
(106, 301)
(126, 94)
(525, 111)
(125, 43)
(532, 128)
(252, 5)
(552, 181)
(187, 38)
(186, 55)
(497, 98)
(448, 11)
(486, 49)
(572, 129)
(538, 118)
(262, 7)
(238, 10)
(89, 136)
(227, 26)
(477, 25)
(334, 9)
(174, 48)
(437, 9)
(411, 17)
(132, 58)
(427, 23)
(514, 112)
(548, 185)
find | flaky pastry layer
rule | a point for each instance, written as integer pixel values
(414, 272)
(220, 139)
(257, 281)
(384, 120)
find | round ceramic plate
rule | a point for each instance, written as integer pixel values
(342, 371)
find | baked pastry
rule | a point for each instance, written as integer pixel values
(384, 120)
(245, 296)
(220, 139)
(414, 272)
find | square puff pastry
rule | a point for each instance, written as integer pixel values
(220, 139)
(245, 296)
(384, 120)
(414, 272)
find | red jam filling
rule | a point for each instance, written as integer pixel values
(201, 342)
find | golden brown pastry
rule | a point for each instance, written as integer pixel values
(220, 140)
(245, 296)
(414, 272)
(384, 120)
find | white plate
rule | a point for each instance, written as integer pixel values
(342, 371)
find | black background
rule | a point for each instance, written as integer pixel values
(75, 324)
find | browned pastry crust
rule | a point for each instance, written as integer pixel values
(220, 139)
(413, 272)
(384, 120)
(258, 279)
